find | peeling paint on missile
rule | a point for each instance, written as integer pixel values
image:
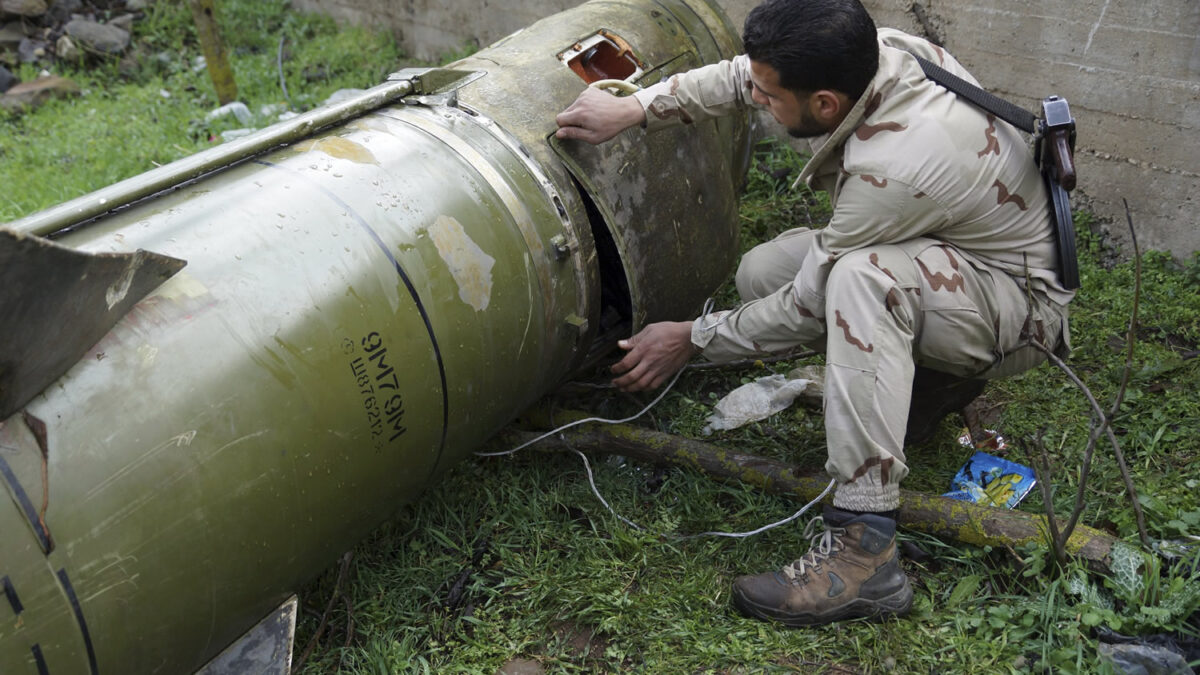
(182, 285)
(120, 288)
(470, 266)
(336, 146)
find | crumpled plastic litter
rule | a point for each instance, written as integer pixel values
(236, 108)
(992, 481)
(764, 397)
(1144, 659)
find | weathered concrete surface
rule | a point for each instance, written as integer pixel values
(1131, 71)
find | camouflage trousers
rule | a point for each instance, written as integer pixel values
(888, 308)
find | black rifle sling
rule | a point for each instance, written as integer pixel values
(1005, 110)
(1060, 206)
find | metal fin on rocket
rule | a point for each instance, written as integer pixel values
(265, 649)
(58, 303)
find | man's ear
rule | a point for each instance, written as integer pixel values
(829, 106)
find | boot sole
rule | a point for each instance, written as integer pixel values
(897, 604)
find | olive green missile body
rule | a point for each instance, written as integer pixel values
(218, 376)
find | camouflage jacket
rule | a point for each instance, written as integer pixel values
(909, 160)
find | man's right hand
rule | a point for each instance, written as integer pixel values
(596, 116)
(656, 353)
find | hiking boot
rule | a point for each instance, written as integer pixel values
(934, 395)
(852, 571)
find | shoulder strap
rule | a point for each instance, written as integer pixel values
(1009, 112)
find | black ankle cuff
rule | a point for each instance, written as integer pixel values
(894, 514)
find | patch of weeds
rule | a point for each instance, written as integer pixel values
(149, 109)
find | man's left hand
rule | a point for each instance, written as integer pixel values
(656, 353)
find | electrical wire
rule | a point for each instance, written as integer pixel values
(764, 528)
(596, 491)
(585, 421)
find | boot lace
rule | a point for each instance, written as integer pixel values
(822, 544)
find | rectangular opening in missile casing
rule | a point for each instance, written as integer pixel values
(602, 56)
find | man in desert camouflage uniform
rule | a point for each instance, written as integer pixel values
(939, 259)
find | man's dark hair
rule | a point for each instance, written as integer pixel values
(815, 44)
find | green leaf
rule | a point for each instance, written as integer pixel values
(963, 590)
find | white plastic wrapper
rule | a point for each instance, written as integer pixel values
(763, 398)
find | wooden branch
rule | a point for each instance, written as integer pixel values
(933, 514)
(215, 54)
(746, 363)
(1112, 439)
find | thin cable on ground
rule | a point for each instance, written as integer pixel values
(596, 491)
(764, 528)
(592, 480)
(585, 421)
(587, 466)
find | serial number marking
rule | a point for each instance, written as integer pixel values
(379, 387)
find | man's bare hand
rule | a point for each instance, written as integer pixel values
(597, 116)
(656, 353)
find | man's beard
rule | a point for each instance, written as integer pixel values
(809, 127)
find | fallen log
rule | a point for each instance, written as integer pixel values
(933, 514)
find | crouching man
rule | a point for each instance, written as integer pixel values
(935, 272)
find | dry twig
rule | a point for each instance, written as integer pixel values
(337, 590)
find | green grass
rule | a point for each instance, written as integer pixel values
(148, 109)
(514, 557)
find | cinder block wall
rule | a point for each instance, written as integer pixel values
(1131, 71)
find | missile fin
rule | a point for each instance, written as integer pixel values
(58, 302)
(266, 648)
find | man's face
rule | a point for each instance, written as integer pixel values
(789, 109)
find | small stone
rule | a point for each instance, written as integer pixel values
(7, 79)
(24, 7)
(124, 22)
(11, 35)
(98, 37)
(62, 11)
(29, 51)
(521, 667)
(1137, 659)
(35, 93)
(66, 49)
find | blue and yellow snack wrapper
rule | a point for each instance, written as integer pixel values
(991, 481)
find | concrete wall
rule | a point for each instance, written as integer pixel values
(1131, 70)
